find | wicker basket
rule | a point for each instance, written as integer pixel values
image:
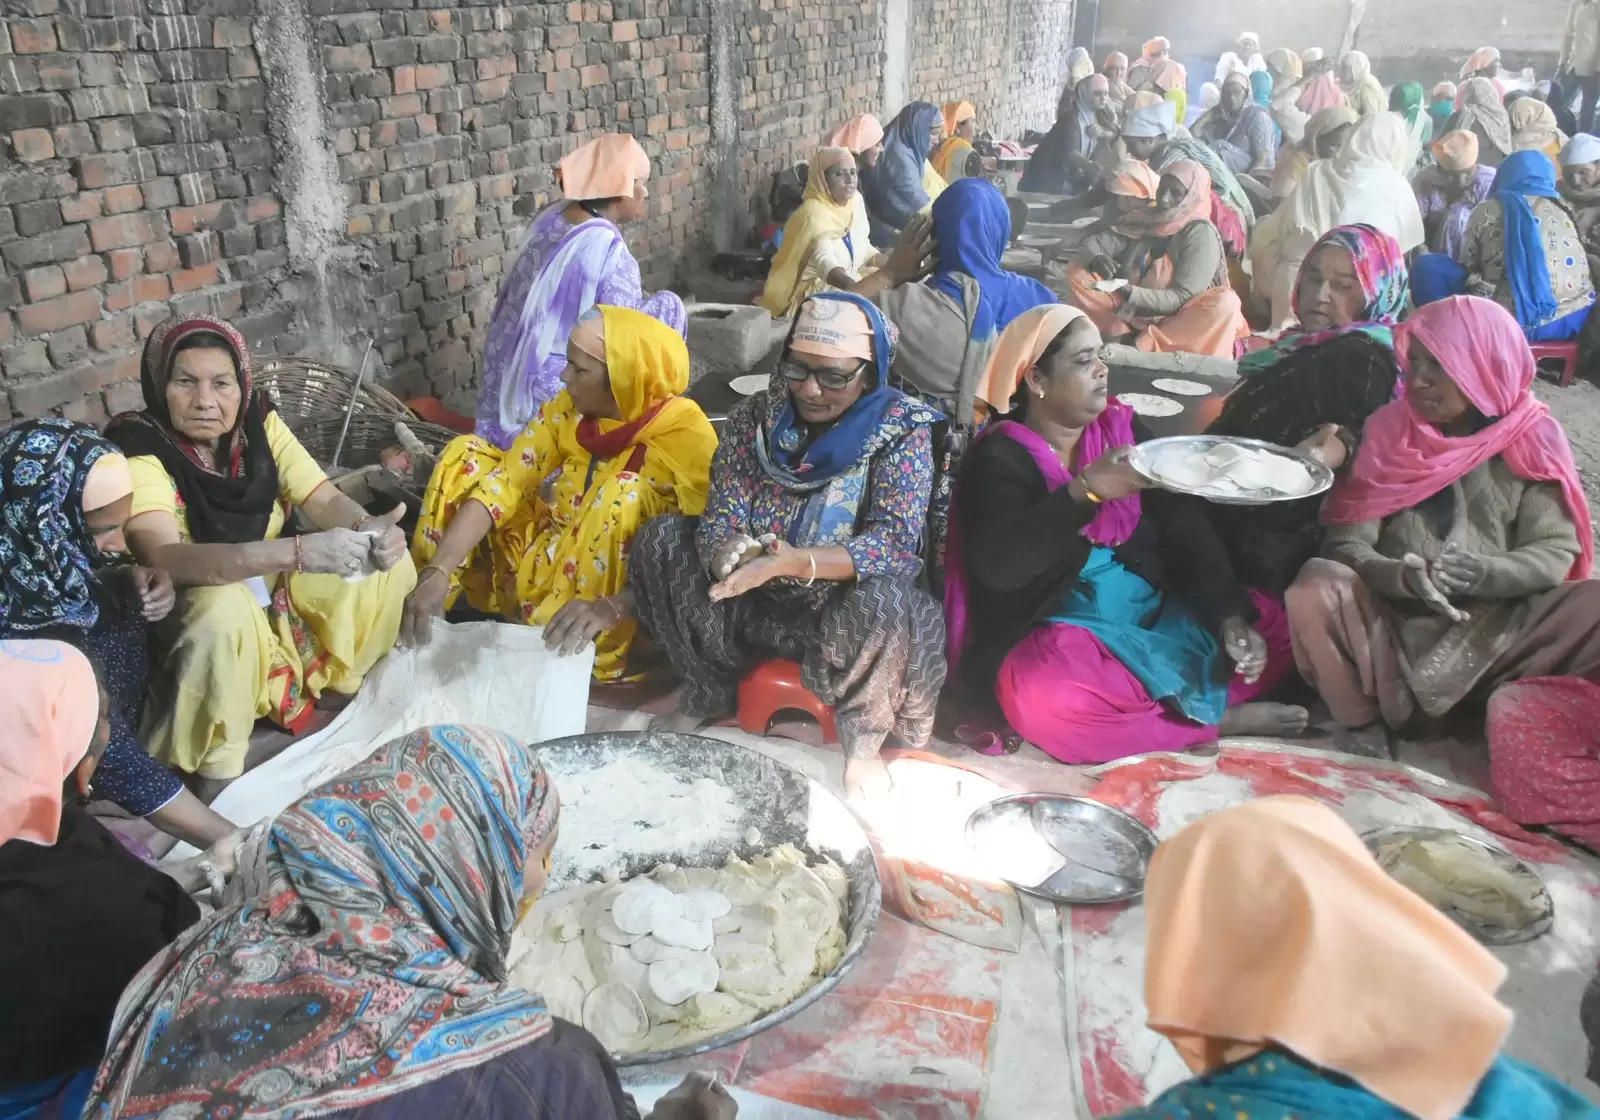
(313, 398)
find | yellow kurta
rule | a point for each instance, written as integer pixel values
(227, 661)
(557, 538)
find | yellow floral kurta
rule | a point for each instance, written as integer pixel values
(227, 661)
(564, 520)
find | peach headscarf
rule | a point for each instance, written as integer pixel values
(832, 329)
(1018, 349)
(858, 135)
(1456, 151)
(609, 166)
(1154, 48)
(48, 712)
(1135, 179)
(1480, 59)
(1270, 924)
(1194, 206)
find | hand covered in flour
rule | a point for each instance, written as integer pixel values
(1457, 571)
(422, 606)
(778, 558)
(699, 1097)
(154, 592)
(389, 546)
(580, 621)
(1245, 647)
(735, 552)
(212, 869)
(340, 552)
(866, 779)
(1418, 580)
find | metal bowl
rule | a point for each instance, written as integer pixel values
(1074, 882)
(1488, 934)
(783, 804)
(1144, 456)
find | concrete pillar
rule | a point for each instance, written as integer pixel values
(326, 283)
(727, 225)
(897, 16)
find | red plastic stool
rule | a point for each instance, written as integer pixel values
(1564, 352)
(772, 687)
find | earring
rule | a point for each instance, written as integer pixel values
(1039, 393)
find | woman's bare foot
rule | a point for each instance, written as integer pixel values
(1263, 719)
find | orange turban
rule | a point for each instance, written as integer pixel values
(610, 166)
(1456, 151)
(858, 135)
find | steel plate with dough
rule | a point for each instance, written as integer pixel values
(1049, 862)
(1230, 470)
(1484, 889)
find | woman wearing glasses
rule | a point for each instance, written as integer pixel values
(809, 544)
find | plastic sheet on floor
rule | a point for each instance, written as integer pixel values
(486, 674)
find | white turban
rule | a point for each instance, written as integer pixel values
(1581, 149)
(1152, 120)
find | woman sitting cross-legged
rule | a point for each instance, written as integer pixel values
(809, 545)
(1103, 621)
(1333, 998)
(357, 967)
(1164, 245)
(66, 493)
(541, 533)
(1460, 547)
(1314, 388)
(903, 183)
(265, 624)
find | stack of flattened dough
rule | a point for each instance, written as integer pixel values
(1229, 467)
(681, 954)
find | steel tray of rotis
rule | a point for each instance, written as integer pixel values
(1150, 457)
(1386, 841)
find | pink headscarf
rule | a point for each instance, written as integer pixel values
(1404, 460)
(48, 712)
(1321, 92)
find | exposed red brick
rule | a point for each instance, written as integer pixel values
(57, 314)
(139, 289)
(124, 199)
(85, 272)
(33, 36)
(45, 282)
(124, 231)
(31, 145)
(190, 279)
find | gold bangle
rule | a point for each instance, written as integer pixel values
(1094, 499)
(426, 568)
(299, 555)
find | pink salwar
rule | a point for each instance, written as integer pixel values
(1063, 691)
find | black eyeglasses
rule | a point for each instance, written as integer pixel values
(795, 374)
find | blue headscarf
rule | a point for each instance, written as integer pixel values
(1522, 175)
(1261, 88)
(973, 227)
(780, 443)
(893, 189)
(47, 551)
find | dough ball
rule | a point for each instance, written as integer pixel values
(705, 906)
(752, 836)
(675, 929)
(615, 1015)
(636, 906)
(674, 981)
(612, 874)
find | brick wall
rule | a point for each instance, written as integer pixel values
(329, 172)
(1007, 57)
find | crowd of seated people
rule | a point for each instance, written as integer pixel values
(1376, 261)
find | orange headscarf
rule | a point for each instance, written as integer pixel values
(48, 712)
(1018, 349)
(610, 166)
(957, 113)
(1456, 151)
(858, 135)
(1194, 206)
(1134, 179)
(1270, 924)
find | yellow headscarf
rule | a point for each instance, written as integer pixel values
(648, 365)
(954, 149)
(818, 217)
